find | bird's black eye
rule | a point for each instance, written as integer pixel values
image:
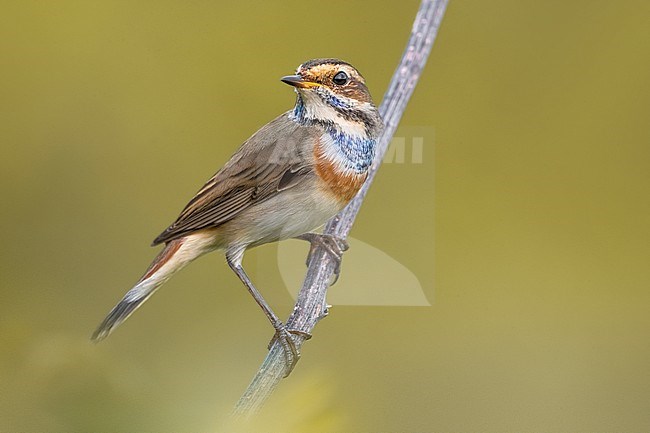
(340, 78)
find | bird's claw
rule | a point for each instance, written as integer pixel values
(291, 352)
(334, 246)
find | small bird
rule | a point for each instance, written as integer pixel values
(290, 177)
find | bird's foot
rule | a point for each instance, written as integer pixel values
(334, 246)
(291, 352)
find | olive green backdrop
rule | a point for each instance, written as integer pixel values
(526, 222)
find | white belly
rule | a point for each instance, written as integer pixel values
(284, 216)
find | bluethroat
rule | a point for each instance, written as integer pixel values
(289, 178)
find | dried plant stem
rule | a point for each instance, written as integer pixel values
(311, 305)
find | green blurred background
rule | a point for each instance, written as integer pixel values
(527, 223)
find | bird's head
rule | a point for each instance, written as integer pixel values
(333, 92)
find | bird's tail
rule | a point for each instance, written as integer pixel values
(174, 257)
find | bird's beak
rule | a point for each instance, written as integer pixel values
(298, 81)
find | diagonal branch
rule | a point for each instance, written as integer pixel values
(311, 305)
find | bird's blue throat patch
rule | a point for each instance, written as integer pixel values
(357, 152)
(334, 101)
(299, 110)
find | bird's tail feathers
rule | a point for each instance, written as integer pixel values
(174, 257)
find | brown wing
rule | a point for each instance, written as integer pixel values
(274, 159)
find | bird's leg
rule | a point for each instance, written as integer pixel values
(282, 334)
(335, 246)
